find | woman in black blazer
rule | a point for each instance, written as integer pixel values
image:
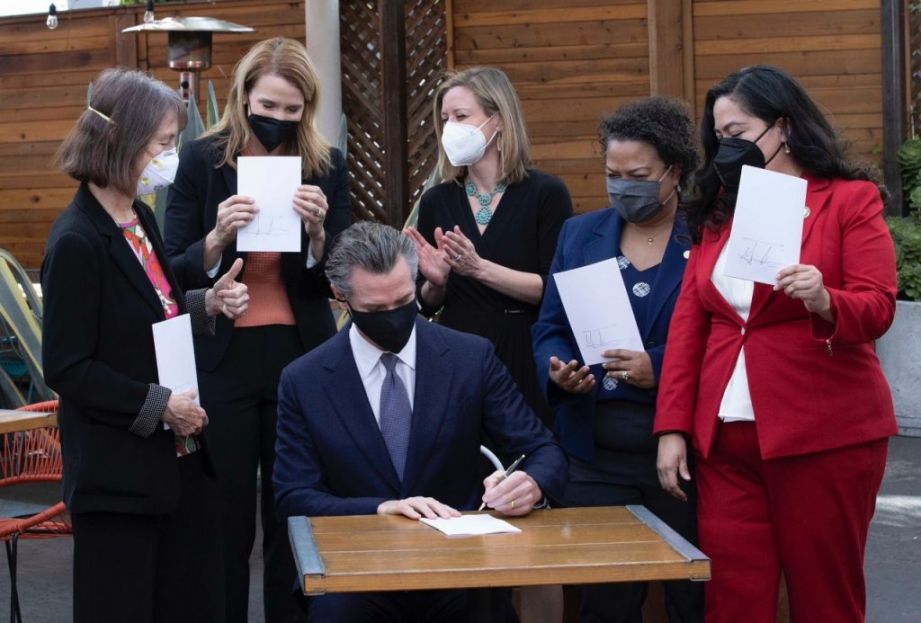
(137, 478)
(271, 110)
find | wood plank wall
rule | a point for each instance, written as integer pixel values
(43, 79)
(573, 61)
(831, 46)
(570, 62)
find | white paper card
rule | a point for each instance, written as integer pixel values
(272, 182)
(175, 354)
(767, 228)
(598, 309)
(471, 525)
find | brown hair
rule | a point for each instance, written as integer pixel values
(287, 59)
(126, 110)
(495, 93)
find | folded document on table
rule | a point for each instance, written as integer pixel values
(471, 525)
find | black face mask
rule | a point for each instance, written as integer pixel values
(637, 201)
(389, 329)
(272, 132)
(733, 154)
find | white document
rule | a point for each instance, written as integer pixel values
(598, 309)
(767, 229)
(471, 525)
(175, 354)
(272, 182)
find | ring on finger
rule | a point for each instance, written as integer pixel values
(625, 375)
(458, 257)
(512, 503)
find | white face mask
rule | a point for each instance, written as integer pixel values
(159, 172)
(463, 143)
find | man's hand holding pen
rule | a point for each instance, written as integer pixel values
(512, 495)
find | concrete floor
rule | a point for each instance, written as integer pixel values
(893, 563)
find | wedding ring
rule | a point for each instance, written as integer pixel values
(513, 503)
(458, 257)
(625, 375)
(317, 211)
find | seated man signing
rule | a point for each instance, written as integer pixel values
(387, 416)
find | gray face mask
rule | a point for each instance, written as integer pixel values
(637, 201)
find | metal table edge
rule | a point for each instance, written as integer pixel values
(306, 555)
(674, 540)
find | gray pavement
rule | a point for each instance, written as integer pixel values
(893, 563)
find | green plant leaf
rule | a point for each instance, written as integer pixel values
(213, 112)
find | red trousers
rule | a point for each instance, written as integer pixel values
(807, 516)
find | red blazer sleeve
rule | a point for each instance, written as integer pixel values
(863, 304)
(684, 352)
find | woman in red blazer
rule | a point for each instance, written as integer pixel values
(779, 388)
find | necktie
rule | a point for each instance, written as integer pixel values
(395, 414)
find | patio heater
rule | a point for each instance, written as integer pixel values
(189, 43)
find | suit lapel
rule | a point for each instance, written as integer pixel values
(668, 278)
(710, 248)
(817, 195)
(606, 240)
(434, 372)
(119, 249)
(345, 392)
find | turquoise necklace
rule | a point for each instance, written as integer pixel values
(484, 214)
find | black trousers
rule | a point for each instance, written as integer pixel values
(241, 397)
(622, 472)
(441, 606)
(152, 568)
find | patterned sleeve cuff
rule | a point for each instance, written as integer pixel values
(151, 411)
(202, 323)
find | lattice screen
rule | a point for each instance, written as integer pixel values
(426, 62)
(362, 96)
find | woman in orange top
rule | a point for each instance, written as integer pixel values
(271, 110)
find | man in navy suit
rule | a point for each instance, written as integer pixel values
(387, 417)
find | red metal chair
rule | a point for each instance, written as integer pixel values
(31, 456)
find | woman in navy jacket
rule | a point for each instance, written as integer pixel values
(604, 413)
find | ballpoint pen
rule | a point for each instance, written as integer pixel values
(508, 472)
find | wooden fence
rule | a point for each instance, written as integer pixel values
(572, 62)
(43, 80)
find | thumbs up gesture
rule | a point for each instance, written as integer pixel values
(228, 296)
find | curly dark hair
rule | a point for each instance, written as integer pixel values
(768, 93)
(661, 122)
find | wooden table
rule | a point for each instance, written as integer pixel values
(558, 546)
(12, 421)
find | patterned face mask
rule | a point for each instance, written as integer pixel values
(159, 172)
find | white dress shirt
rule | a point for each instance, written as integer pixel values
(372, 371)
(736, 405)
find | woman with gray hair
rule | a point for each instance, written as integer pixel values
(137, 476)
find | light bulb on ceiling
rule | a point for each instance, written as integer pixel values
(52, 21)
(149, 12)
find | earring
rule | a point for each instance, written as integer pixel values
(786, 148)
(499, 142)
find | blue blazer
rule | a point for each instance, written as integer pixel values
(330, 457)
(584, 240)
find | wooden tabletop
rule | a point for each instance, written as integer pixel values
(12, 421)
(557, 546)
